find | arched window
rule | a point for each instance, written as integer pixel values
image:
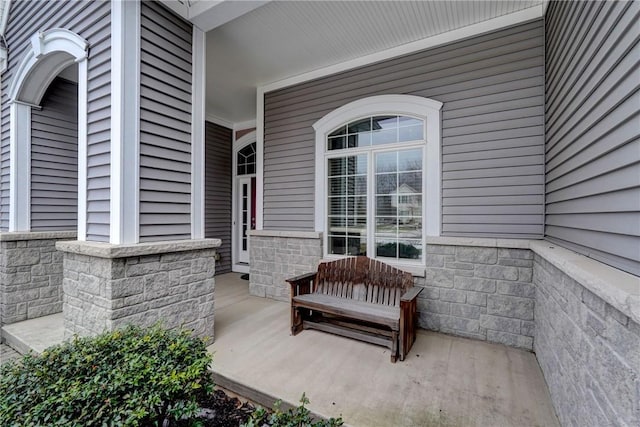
(246, 160)
(377, 181)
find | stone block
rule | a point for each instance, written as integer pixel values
(518, 289)
(433, 260)
(477, 255)
(453, 295)
(458, 265)
(440, 277)
(594, 302)
(528, 263)
(433, 306)
(17, 257)
(527, 328)
(496, 272)
(498, 323)
(477, 298)
(475, 284)
(467, 311)
(430, 293)
(508, 306)
(459, 324)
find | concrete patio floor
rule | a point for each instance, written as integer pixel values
(445, 380)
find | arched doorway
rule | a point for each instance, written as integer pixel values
(244, 199)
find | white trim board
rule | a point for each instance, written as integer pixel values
(125, 123)
(198, 133)
(238, 144)
(494, 24)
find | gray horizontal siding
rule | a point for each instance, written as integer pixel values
(54, 159)
(165, 125)
(592, 132)
(91, 20)
(492, 87)
(218, 199)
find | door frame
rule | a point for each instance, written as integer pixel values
(238, 144)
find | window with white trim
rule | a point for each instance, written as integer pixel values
(374, 181)
(377, 191)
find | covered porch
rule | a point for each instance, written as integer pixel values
(445, 380)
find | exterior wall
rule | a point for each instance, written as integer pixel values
(492, 87)
(165, 125)
(588, 352)
(176, 288)
(276, 257)
(479, 292)
(592, 132)
(218, 197)
(91, 20)
(30, 275)
(54, 159)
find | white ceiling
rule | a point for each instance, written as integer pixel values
(282, 39)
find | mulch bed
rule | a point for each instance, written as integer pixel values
(221, 410)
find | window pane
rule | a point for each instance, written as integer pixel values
(337, 205)
(385, 122)
(386, 162)
(410, 133)
(363, 125)
(337, 186)
(386, 206)
(362, 139)
(410, 228)
(386, 183)
(337, 244)
(410, 160)
(409, 205)
(357, 185)
(384, 137)
(337, 167)
(357, 206)
(387, 226)
(386, 248)
(409, 121)
(410, 182)
(410, 249)
(342, 130)
(337, 143)
(337, 221)
(357, 246)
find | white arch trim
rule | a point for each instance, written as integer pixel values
(50, 52)
(416, 106)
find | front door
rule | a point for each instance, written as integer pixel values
(246, 215)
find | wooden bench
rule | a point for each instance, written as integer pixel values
(360, 298)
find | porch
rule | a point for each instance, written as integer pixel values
(445, 380)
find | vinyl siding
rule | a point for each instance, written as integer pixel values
(218, 199)
(592, 130)
(91, 20)
(54, 159)
(492, 88)
(165, 125)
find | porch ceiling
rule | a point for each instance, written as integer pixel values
(282, 39)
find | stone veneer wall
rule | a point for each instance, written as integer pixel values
(172, 284)
(479, 292)
(588, 350)
(276, 256)
(30, 275)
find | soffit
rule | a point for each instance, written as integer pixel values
(282, 39)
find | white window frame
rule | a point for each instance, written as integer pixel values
(404, 105)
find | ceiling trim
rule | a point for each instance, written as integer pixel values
(248, 124)
(219, 121)
(509, 20)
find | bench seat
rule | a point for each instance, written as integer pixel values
(367, 312)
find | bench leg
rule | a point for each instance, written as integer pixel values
(296, 321)
(394, 346)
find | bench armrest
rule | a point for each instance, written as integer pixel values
(301, 285)
(411, 294)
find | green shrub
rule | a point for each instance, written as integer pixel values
(129, 377)
(296, 417)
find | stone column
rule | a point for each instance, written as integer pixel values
(107, 286)
(30, 275)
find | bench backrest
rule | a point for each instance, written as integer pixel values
(363, 279)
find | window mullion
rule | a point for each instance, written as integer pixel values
(371, 198)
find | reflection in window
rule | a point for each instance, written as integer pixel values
(246, 160)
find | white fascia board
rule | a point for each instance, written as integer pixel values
(504, 21)
(198, 134)
(248, 124)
